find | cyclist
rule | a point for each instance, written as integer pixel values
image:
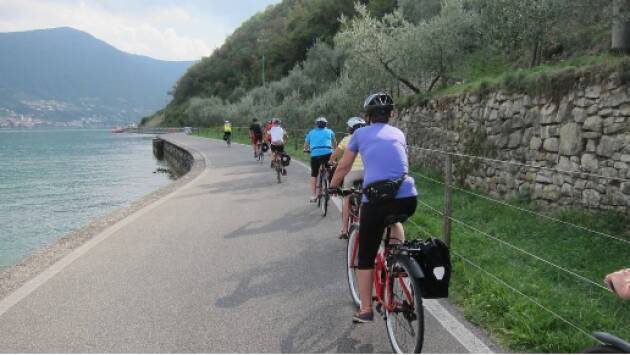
(320, 141)
(227, 131)
(278, 137)
(383, 149)
(355, 174)
(256, 135)
(266, 130)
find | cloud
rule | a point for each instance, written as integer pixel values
(164, 31)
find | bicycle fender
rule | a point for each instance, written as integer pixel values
(412, 265)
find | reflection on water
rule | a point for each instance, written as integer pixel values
(55, 181)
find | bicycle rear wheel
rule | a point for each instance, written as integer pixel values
(279, 171)
(405, 323)
(352, 261)
(326, 195)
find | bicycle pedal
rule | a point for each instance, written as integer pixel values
(379, 309)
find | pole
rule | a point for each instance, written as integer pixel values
(448, 199)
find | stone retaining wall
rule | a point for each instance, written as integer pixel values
(178, 159)
(586, 131)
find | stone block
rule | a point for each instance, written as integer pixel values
(591, 135)
(590, 163)
(607, 112)
(593, 124)
(579, 115)
(549, 131)
(564, 110)
(551, 145)
(608, 146)
(566, 189)
(549, 115)
(514, 139)
(591, 198)
(616, 99)
(593, 92)
(591, 145)
(570, 139)
(625, 110)
(614, 128)
(535, 143)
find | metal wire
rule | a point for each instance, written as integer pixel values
(520, 164)
(529, 298)
(487, 235)
(557, 220)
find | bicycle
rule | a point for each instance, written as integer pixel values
(276, 164)
(260, 154)
(323, 195)
(397, 286)
(354, 205)
(228, 139)
(610, 345)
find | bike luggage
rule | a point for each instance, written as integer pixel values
(285, 159)
(435, 261)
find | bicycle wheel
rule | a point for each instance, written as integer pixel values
(326, 195)
(319, 190)
(352, 260)
(279, 171)
(405, 323)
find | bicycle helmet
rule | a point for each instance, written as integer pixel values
(355, 123)
(276, 121)
(379, 102)
(321, 122)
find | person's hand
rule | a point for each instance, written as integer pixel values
(619, 283)
(334, 191)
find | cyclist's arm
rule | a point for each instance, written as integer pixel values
(337, 153)
(343, 168)
(306, 145)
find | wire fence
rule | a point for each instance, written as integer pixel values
(445, 213)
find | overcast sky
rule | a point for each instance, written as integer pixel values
(162, 29)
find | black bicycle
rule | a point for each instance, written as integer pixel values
(323, 195)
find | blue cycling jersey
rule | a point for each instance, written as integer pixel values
(320, 141)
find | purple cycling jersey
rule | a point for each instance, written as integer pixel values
(384, 152)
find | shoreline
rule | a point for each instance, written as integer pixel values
(13, 277)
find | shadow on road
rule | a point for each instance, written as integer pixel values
(294, 221)
(284, 277)
(319, 332)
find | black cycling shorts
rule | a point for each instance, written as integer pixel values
(372, 226)
(316, 162)
(277, 148)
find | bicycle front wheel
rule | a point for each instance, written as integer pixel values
(405, 322)
(352, 263)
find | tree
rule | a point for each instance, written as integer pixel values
(416, 11)
(621, 26)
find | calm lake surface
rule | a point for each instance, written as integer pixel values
(55, 181)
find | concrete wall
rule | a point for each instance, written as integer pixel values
(585, 130)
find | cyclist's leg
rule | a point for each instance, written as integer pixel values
(371, 228)
(345, 210)
(314, 173)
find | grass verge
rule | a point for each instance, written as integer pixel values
(515, 320)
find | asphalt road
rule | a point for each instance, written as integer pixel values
(232, 262)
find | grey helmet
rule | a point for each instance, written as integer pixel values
(355, 123)
(380, 102)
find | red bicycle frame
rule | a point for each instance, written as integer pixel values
(382, 278)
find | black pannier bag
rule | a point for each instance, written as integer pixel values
(383, 190)
(435, 260)
(265, 147)
(285, 159)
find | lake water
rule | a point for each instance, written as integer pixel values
(55, 181)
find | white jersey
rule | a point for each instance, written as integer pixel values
(277, 135)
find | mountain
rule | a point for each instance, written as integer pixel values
(64, 76)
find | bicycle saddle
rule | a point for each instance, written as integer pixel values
(401, 218)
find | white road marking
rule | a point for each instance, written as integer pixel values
(457, 329)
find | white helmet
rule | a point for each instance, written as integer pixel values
(321, 122)
(355, 121)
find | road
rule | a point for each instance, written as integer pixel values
(231, 262)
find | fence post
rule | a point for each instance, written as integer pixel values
(448, 198)
(295, 139)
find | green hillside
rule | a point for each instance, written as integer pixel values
(321, 57)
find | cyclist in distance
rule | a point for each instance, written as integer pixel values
(383, 149)
(320, 141)
(278, 137)
(355, 174)
(256, 135)
(227, 130)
